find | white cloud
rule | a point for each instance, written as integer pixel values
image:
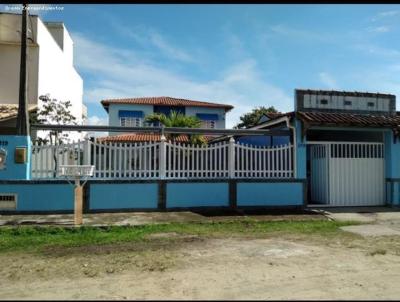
(96, 120)
(150, 37)
(389, 13)
(171, 51)
(379, 51)
(379, 29)
(121, 73)
(328, 80)
(302, 34)
(386, 14)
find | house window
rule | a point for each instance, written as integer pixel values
(130, 121)
(208, 120)
(323, 102)
(130, 118)
(371, 104)
(208, 124)
(347, 103)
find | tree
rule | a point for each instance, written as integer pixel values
(177, 119)
(252, 118)
(56, 113)
(53, 112)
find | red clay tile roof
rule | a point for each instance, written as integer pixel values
(272, 115)
(344, 119)
(166, 101)
(9, 111)
(141, 137)
(350, 119)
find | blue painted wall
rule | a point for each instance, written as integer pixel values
(41, 197)
(13, 170)
(197, 194)
(220, 124)
(113, 109)
(392, 167)
(123, 196)
(269, 194)
(301, 154)
(260, 140)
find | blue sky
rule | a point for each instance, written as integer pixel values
(244, 55)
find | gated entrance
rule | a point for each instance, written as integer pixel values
(347, 173)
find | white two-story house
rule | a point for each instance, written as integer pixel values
(50, 66)
(131, 112)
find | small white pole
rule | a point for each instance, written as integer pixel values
(162, 156)
(231, 157)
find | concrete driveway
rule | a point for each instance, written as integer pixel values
(374, 221)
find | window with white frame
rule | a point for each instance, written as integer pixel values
(128, 118)
(130, 121)
(208, 120)
(208, 124)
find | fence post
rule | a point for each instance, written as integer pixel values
(231, 157)
(86, 152)
(163, 156)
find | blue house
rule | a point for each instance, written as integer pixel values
(131, 112)
(341, 148)
(348, 148)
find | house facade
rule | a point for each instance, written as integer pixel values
(132, 112)
(50, 64)
(343, 149)
(348, 148)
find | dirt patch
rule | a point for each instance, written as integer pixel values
(171, 266)
(174, 235)
(155, 242)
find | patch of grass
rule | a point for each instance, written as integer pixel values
(377, 252)
(31, 238)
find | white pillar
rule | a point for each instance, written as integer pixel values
(231, 158)
(163, 156)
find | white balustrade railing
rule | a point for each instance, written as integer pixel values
(165, 160)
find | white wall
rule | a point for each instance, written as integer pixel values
(10, 28)
(337, 102)
(50, 64)
(57, 76)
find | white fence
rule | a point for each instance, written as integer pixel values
(166, 160)
(46, 157)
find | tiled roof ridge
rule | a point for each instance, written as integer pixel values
(141, 137)
(158, 100)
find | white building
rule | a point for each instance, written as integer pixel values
(50, 63)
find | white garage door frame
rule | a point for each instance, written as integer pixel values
(347, 173)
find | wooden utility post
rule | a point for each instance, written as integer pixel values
(23, 116)
(78, 206)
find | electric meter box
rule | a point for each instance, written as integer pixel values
(20, 155)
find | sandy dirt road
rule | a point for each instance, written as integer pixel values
(213, 268)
